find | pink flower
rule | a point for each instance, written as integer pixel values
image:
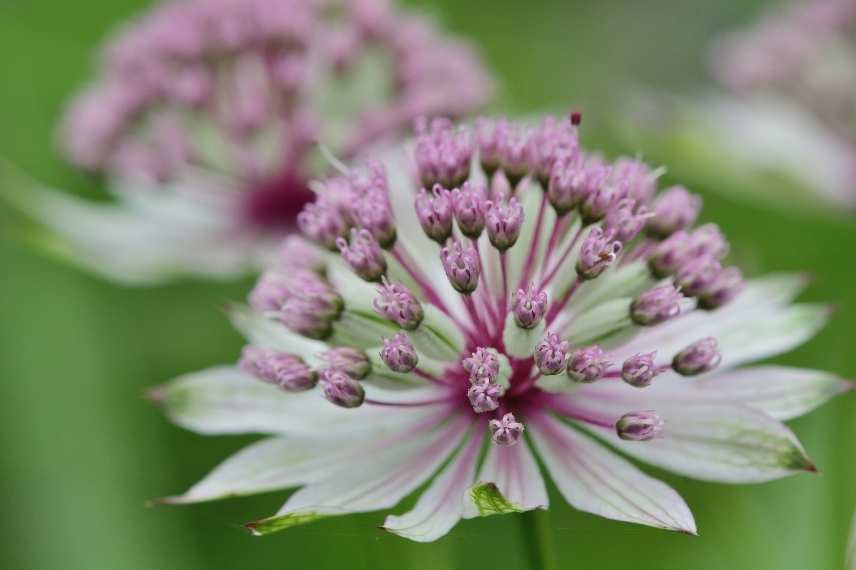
(205, 120)
(478, 385)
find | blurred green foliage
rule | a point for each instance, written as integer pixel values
(82, 450)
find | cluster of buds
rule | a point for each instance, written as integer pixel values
(484, 392)
(475, 220)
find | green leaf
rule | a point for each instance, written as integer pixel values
(489, 501)
(275, 524)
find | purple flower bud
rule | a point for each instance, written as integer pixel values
(491, 137)
(503, 221)
(442, 153)
(505, 432)
(707, 240)
(270, 292)
(640, 370)
(372, 212)
(341, 389)
(398, 353)
(587, 365)
(398, 304)
(625, 220)
(349, 360)
(281, 369)
(297, 252)
(567, 186)
(514, 154)
(697, 274)
(599, 251)
(639, 426)
(482, 363)
(656, 305)
(434, 210)
(322, 222)
(669, 254)
(675, 209)
(469, 203)
(727, 285)
(598, 194)
(364, 256)
(631, 178)
(549, 142)
(484, 395)
(529, 306)
(698, 358)
(462, 266)
(551, 355)
(311, 306)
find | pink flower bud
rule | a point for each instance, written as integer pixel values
(462, 266)
(503, 221)
(599, 251)
(639, 426)
(656, 305)
(434, 211)
(505, 432)
(341, 389)
(398, 304)
(398, 353)
(529, 306)
(587, 365)
(284, 370)
(551, 355)
(675, 209)
(363, 255)
(639, 370)
(700, 357)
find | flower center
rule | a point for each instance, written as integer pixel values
(274, 203)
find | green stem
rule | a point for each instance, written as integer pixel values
(538, 540)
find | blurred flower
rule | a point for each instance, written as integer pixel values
(798, 63)
(783, 130)
(467, 382)
(205, 114)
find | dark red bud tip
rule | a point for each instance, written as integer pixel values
(576, 118)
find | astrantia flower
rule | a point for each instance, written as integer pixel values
(794, 72)
(783, 130)
(489, 349)
(204, 118)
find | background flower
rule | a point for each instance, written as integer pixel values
(204, 118)
(788, 78)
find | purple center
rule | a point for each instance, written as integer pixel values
(273, 204)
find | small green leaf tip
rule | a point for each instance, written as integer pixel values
(489, 501)
(270, 525)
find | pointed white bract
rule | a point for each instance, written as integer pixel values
(205, 120)
(497, 339)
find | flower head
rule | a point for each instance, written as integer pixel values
(457, 369)
(206, 116)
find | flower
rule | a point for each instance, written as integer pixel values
(467, 384)
(791, 82)
(205, 117)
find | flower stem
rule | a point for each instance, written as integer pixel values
(536, 537)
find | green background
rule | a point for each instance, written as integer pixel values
(81, 450)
